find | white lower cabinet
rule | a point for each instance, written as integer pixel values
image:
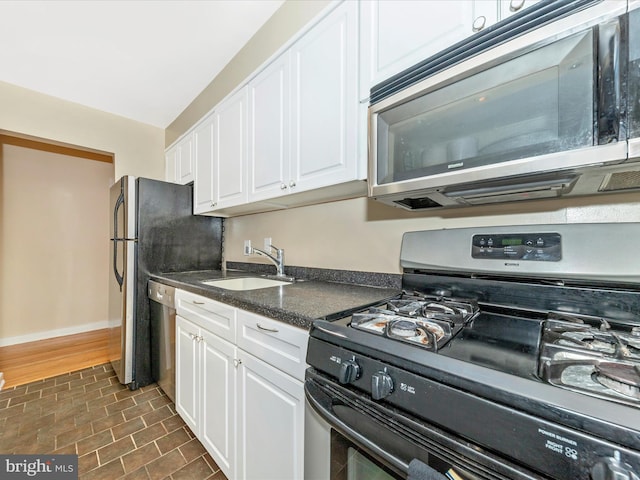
(239, 387)
(271, 422)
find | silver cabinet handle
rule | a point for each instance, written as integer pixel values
(292, 183)
(197, 303)
(516, 5)
(479, 23)
(266, 329)
(236, 362)
(213, 204)
(283, 186)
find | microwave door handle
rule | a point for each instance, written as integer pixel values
(516, 186)
(611, 51)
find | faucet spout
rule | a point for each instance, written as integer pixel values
(278, 260)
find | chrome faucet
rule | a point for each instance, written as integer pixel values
(278, 260)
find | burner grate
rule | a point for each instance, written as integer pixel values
(423, 320)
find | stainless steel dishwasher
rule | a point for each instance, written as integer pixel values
(163, 336)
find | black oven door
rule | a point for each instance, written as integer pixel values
(376, 441)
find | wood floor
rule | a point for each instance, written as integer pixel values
(28, 362)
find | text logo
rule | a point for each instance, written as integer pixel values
(51, 467)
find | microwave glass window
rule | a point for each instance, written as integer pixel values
(634, 73)
(537, 103)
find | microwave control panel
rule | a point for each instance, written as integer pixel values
(539, 247)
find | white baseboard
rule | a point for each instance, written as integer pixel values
(60, 332)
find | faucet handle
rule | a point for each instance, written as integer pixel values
(275, 248)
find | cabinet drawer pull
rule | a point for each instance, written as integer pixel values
(266, 329)
(198, 303)
(236, 362)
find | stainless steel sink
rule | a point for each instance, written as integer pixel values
(245, 283)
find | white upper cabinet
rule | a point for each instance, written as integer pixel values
(179, 165)
(269, 126)
(325, 102)
(230, 152)
(303, 112)
(170, 164)
(185, 160)
(204, 184)
(396, 34)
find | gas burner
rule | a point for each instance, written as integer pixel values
(403, 328)
(426, 333)
(602, 339)
(592, 357)
(620, 377)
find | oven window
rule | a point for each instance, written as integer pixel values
(538, 103)
(349, 462)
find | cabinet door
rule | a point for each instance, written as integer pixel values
(324, 103)
(397, 34)
(187, 372)
(218, 396)
(271, 423)
(204, 191)
(269, 95)
(185, 160)
(230, 158)
(170, 165)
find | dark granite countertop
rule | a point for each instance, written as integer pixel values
(298, 303)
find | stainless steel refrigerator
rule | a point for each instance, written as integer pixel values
(153, 230)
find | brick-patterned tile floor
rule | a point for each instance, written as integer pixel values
(116, 432)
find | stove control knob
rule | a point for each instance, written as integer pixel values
(349, 372)
(381, 385)
(612, 469)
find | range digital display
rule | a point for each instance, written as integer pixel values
(537, 247)
(511, 241)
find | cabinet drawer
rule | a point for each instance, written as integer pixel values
(277, 343)
(213, 316)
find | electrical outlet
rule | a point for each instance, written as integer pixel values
(247, 247)
(267, 244)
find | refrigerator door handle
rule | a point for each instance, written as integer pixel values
(119, 278)
(119, 203)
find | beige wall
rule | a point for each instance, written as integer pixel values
(363, 235)
(54, 250)
(74, 290)
(138, 148)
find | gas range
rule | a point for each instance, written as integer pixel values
(500, 366)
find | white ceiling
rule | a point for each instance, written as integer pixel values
(141, 59)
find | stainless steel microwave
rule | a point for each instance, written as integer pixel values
(545, 104)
